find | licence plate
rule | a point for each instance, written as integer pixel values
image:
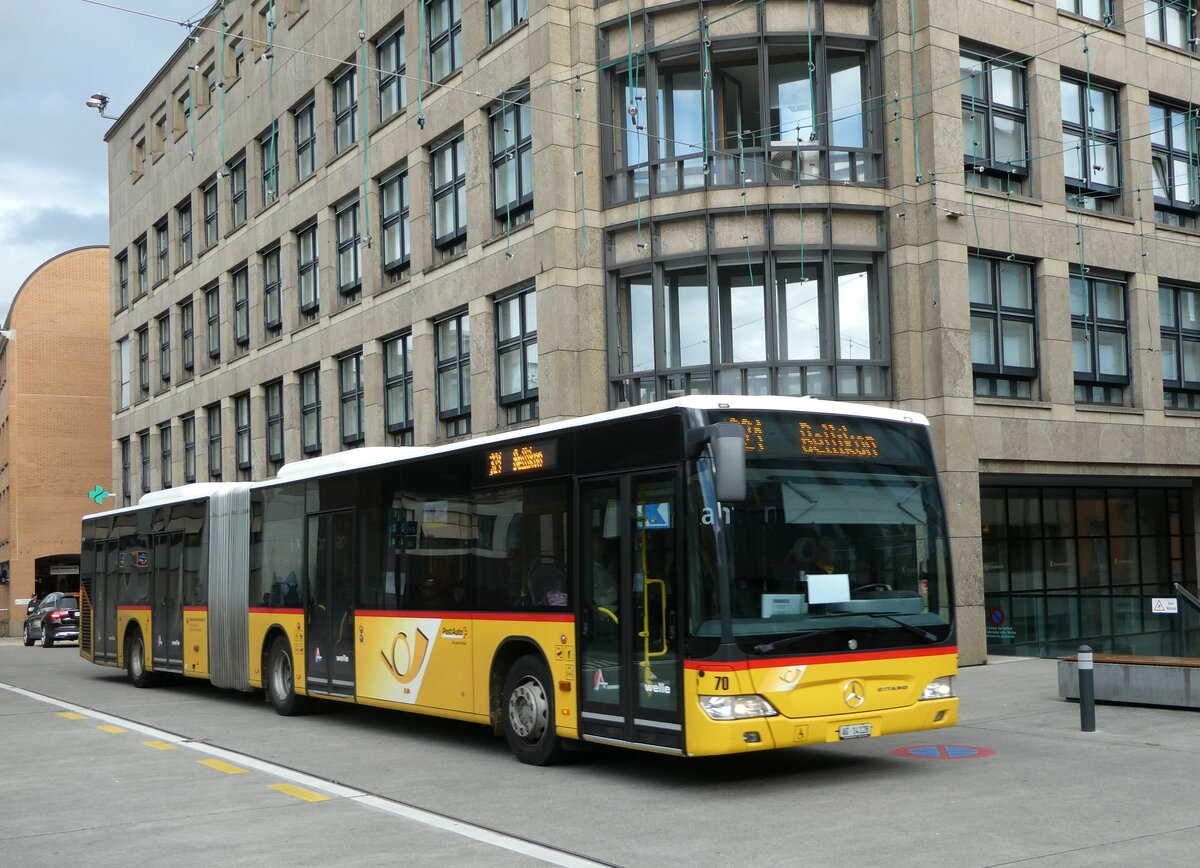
(855, 730)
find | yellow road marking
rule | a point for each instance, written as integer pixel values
(70, 715)
(159, 745)
(222, 766)
(300, 792)
(108, 727)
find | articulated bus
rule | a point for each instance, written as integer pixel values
(706, 575)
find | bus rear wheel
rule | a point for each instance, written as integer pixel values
(528, 707)
(135, 661)
(281, 672)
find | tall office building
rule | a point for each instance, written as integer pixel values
(348, 223)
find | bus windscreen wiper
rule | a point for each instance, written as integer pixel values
(768, 647)
(912, 628)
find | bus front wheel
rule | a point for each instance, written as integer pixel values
(135, 661)
(281, 687)
(528, 705)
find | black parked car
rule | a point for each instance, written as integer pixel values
(55, 618)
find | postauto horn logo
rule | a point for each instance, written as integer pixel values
(407, 656)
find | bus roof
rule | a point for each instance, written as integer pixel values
(377, 456)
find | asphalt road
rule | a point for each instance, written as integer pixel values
(185, 774)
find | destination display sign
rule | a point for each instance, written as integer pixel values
(522, 458)
(847, 437)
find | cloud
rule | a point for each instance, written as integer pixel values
(59, 227)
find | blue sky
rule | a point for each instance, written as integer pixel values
(54, 54)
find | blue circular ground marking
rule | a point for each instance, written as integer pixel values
(943, 751)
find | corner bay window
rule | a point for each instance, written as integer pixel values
(761, 120)
(774, 327)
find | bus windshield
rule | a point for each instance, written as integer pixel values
(840, 543)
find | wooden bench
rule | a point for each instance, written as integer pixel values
(1136, 679)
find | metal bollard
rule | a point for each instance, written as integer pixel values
(1087, 691)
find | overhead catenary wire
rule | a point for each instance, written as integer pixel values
(854, 109)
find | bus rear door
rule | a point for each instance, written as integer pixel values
(629, 664)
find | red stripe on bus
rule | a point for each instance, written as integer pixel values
(814, 660)
(474, 616)
(195, 608)
(265, 610)
(133, 608)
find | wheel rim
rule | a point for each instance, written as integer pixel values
(281, 676)
(529, 710)
(25, 629)
(136, 663)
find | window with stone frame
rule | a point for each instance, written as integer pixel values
(398, 389)
(212, 414)
(1179, 323)
(310, 411)
(188, 424)
(272, 293)
(183, 219)
(164, 348)
(349, 253)
(187, 337)
(995, 121)
(1175, 164)
(164, 454)
(350, 387)
(1091, 146)
(345, 109)
(239, 283)
(1172, 22)
(307, 267)
(306, 140)
(397, 241)
(449, 178)
(1100, 339)
(452, 339)
(208, 194)
(511, 123)
(241, 422)
(391, 62)
(162, 245)
(517, 354)
(1004, 353)
(444, 21)
(273, 395)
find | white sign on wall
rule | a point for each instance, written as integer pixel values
(1165, 606)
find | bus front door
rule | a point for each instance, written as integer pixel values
(329, 635)
(629, 661)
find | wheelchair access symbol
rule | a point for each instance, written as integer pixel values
(98, 494)
(654, 516)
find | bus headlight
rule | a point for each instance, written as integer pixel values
(736, 707)
(940, 688)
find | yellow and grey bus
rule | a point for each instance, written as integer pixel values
(706, 575)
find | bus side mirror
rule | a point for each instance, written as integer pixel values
(728, 442)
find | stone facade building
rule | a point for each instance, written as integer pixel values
(54, 425)
(346, 223)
